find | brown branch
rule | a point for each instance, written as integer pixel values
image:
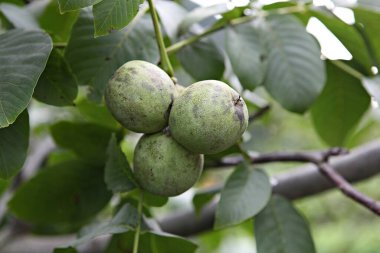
(308, 156)
(259, 113)
(347, 189)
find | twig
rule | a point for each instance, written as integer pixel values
(138, 228)
(237, 21)
(259, 113)
(347, 68)
(348, 189)
(308, 156)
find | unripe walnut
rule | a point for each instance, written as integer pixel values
(208, 117)
(162, 166)
(139, 96)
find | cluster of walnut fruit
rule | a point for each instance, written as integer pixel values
(179, 124)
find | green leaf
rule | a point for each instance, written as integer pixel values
(171, 14)
(23, 56)
(56, 24)
(202, 60)
(246, 49)
(351, 38)
(65, 250)
(14, 141)
(19, 16)
(110, 15)
(126, 219)
(167, 243)
(295, 75)
(245, 194)
(118, 174)
(89, 141)
(96, 113)
(370, 20)
(72, 5)
(200, 14)
(201, 198)
(279, 228)
(340, 106)
(94, 60)
(4, 184)
(155, 242)
(150, 199)
(68, 193)
(57, 85)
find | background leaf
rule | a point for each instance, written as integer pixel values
(96, 113)
(296, 74)
(157, 242)
(94, 60)
(72, 5)
(118, 174)
(57, 85)
(14, 141)
(279, 228)
(89, 141)
(110, 15)
(370, 20)
(23, 55)
(347, 35)
(125, 220)
(344, 100)
(171, 15)
(202, 60)
(200, 14)
(201, 198)
(71, 192)
(247, 53)
(19, 16)
(249, 190)
(58, 25)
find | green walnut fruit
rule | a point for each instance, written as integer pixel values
(208, 117)
(139, 96)
(162, 166)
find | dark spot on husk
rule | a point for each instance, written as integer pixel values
(133, 71)
(240, 114)
(107, 58)
(196, 111)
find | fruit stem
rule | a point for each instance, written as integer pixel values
(160, 41)
(244, 153)
(138, 228)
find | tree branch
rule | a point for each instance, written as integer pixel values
(259, 113)
(320, 159)
(347, 188)
(360, 164)
(308, 156)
